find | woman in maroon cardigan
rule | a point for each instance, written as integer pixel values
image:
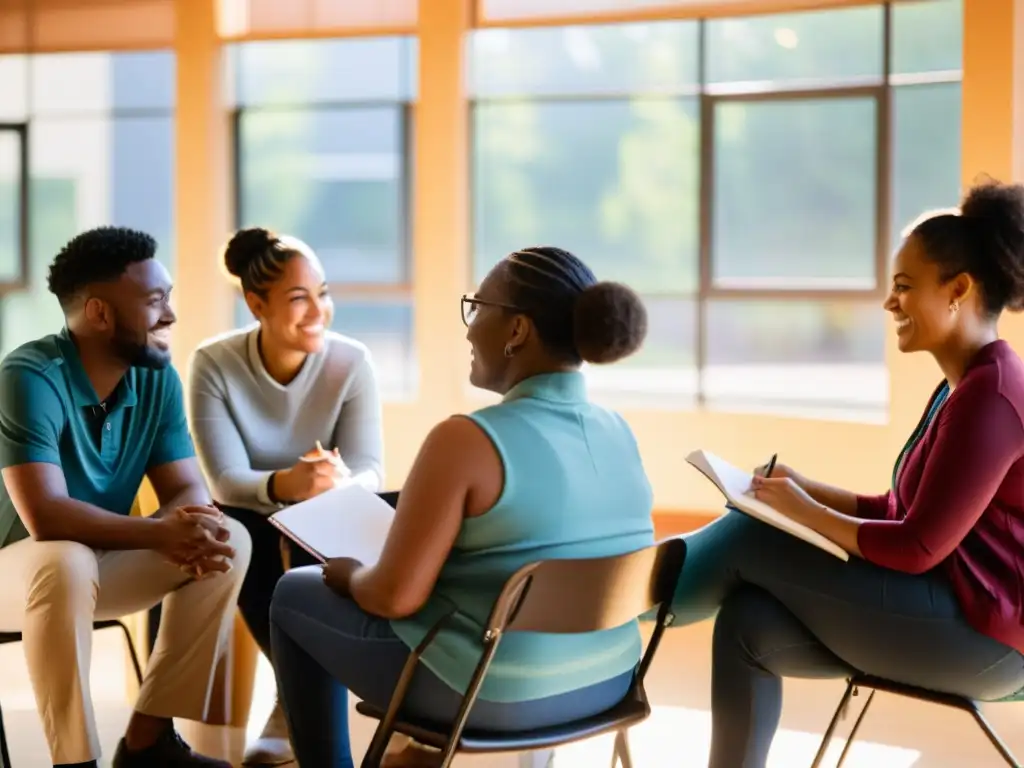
(933, 594)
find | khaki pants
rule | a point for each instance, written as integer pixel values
(54, 590)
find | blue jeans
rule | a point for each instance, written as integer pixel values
(325, 645)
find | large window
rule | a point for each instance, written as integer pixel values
(99, 134)
(322, 152)
(749, 176)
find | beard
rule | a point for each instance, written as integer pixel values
(136, 353)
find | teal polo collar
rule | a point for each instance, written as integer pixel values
(82, 392)
(568, 387)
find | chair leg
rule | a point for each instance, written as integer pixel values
(993, 737)
(843, 703)
(621, 754)
(5, 759)
(131, 651)
(378, 746)
(853, 731)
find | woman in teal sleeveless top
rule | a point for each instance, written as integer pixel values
(544, 474)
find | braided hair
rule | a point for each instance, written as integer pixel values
(577, 317)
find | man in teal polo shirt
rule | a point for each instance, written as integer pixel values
(85, 415)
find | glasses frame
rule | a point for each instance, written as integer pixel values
(470, 303)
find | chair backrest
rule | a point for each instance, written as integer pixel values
(587, 595)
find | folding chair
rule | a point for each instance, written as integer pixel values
(879, 684)
(15, 637)
(552, 596)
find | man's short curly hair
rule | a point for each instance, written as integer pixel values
(96, 256)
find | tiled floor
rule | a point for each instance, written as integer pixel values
(897, 734)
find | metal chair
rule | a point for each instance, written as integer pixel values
(15, 637)
(876, 684)
(552, 596)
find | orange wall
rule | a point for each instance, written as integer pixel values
(856, 456)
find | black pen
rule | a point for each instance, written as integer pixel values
(771, 465)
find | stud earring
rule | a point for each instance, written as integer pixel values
(954, 306)
(509, 351)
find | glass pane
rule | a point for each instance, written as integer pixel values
(10, 206)
(384, 325)
(87, 172)
(926, 151)
(819, 45)
(66, 83)
(323, 71)
(614, 58)
(243, 317)
(613, 181)
(794, 194)
(927, 36)
(142, 179)
(336, 179)
(796, 356)
(13, 88)
(666, 363)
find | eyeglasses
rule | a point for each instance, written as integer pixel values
(471, 304)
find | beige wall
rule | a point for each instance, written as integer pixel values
(857, 456)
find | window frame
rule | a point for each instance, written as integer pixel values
(401, 292)
(20, 282)
(879, 87)
(341, 290)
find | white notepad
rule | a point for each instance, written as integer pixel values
(348, 521)
(734, 484)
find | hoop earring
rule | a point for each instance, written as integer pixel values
(954, 306)
(509, 352)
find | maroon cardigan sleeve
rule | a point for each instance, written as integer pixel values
(979, 436)
(873, 507)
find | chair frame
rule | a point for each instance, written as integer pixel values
(875, 684)
(16, 637)
(507, 610)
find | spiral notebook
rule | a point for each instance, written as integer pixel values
(734, 484)
(348, 521)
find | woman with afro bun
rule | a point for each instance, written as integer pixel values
(932, 593)
(543, 474)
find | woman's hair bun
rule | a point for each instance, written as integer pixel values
(245, 246)
(994, 215)
(609, 323)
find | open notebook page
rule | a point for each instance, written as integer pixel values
(348, 521)
(734, 483)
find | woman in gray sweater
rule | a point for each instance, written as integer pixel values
(280, 411)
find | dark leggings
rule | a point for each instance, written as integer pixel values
(266, 568)
(788, 609)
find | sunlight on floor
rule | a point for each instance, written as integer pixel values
(686, 735)
(263, 697)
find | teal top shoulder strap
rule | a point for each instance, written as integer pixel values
(939, 397)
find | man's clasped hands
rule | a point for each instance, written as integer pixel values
(194, 537)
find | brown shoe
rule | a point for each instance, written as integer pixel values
(412, 756)
(272, 748)
(168, 751)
